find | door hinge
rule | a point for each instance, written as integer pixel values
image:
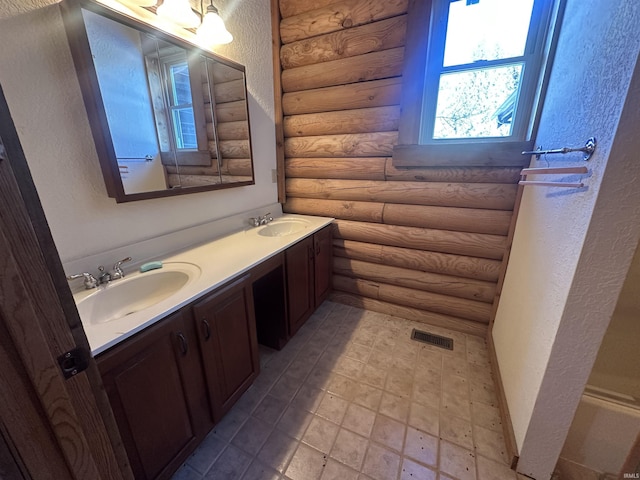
(73, 362)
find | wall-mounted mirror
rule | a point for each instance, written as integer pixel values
(167, 118)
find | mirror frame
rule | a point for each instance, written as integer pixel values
(89, 86)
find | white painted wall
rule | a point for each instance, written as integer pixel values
(39, 82)
(572, 248)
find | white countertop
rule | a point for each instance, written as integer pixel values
(219, 261)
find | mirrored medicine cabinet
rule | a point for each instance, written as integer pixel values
(167, 117)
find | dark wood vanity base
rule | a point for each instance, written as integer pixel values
(171, 383)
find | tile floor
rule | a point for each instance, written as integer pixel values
(351, 396)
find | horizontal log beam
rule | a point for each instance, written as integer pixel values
(433, 302)
(223, 73)
(461, 243)
(362, 168)
(242, 167)
(289, 8)
(188, 170)
(370, 66)
(435, 262)
(230, 130)
(468, 195)
(403, 277)
(376, 93)
(359, 211)
(372, 37)
(228, 112)
(338, 16)
(379, 144)
(459, 174)
(473, 220)
(417, 315)
(360, 120)
(233, 91)
(232, 148)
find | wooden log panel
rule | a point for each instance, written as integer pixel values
(433, 302)
(222, 73)
(376, 93)
(189, 170)
(228, 112)
(468, 195)
(370, 66)
(229, 131)
(233, 91)
(472, 220)
(232, 148)
(362, 168)
(289, 8)
(379, 144)
(461, 243)
(435, 262)
(415, 314)
(360, 211)
(239, 167)
(338, 16)
(361, 120)
(431, 282)
(372, 37)
(509, 175)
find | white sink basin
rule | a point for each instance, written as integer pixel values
(282, 228)
(134, 293)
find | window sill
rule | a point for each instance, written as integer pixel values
(489, 154)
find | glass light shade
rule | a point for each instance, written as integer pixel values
(213, 31)
(143, 3)
(179, 12)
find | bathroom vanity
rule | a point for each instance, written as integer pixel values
(174, 376)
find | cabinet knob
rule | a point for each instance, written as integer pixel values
(206, 328)
(184, 345)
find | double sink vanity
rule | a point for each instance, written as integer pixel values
(177, 346)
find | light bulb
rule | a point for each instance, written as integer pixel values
(179, 12)
(212, 31)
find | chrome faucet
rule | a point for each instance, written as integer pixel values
(106, 277)
(117, 271)
(261, 220)
(89, 280)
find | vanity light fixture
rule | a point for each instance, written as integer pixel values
(212, 31)
(179, 12)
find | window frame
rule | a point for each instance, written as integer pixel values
(167, 64)
(412, 149)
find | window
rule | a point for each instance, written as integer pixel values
(473, 78)
(180, 105)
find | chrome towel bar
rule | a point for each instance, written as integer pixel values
(588, 150)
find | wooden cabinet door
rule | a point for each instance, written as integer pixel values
(156, 389)
(323, 263)
(227, 334)
(300, 290)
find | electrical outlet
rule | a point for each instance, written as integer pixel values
(274, 176)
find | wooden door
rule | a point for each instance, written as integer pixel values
(300, 290)
(323, 263)
(156, 388)
(59, 429)
(228, 342)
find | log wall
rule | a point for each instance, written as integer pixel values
(422, 243)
